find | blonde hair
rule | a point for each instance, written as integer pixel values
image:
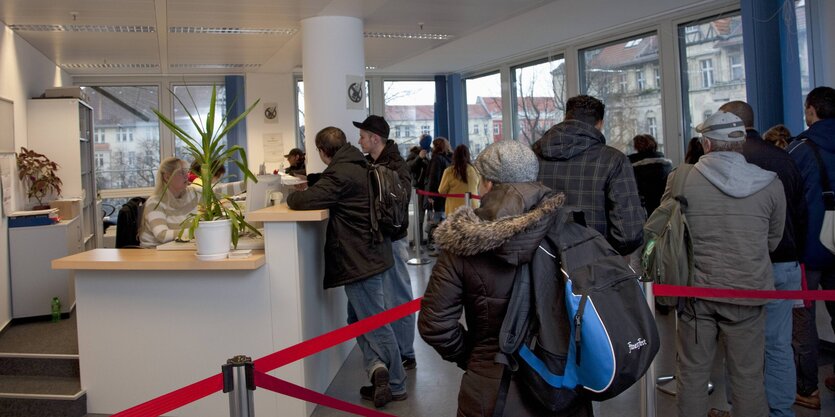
(167, 167)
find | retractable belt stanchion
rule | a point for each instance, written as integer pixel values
(467, 197)
(648, 380)
(239, 382)
(418, 259)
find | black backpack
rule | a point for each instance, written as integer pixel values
(577, 320)
(389, 198)
(128, 221)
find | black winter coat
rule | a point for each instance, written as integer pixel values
(481, 250)
(651, 171)
(390, 157)
(350, 252)
(771, 158)
(437, 165)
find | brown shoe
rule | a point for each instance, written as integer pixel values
(812, 401)
(830, 383)
(715, 412)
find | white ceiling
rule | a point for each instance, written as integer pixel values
(163, 52)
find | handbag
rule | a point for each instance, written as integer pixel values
(827, 233)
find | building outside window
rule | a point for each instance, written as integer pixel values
(409, 104)
(603, 72)
(652, 126)
(656, 71)
(425, 130)
(484, 105)
(538, 96)
(99, 160)
(98, 135)
(398, 132)
(705, 87)
(475, 128)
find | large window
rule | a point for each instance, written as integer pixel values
(409, 110)
(706, 85)
(196, 99)
(484, 106)
(125, 127)
(605, 73)
(538, 97)
(800, 11)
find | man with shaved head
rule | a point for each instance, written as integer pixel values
(780, 375)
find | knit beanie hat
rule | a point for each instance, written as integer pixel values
(507, 161)
(426, 142)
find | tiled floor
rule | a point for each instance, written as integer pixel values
(433, 386)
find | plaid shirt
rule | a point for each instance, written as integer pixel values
(598, 179)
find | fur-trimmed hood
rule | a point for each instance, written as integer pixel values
(511, 222)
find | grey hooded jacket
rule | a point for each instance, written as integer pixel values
(736, 212)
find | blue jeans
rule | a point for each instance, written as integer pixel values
(397, 288)
(780, 376)
(379, 347)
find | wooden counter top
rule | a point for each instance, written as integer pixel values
(282, 213)
(152, 260)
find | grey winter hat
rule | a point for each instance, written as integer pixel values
(723, 126)
(507, 161)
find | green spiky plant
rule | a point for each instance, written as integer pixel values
(211, 153)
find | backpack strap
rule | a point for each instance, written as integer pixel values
(501, 399)
(678, 183)
(826, 188)
(513, 332)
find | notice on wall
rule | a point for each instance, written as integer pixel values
(8, 178)
(355, 92)
(273, 147)
(270, 112)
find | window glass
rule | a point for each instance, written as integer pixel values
(713, 70)
(125, 126)
(484, 106)
(802, 46)
(409, 110)
(539, 98)
(196, 99)
(633, 106)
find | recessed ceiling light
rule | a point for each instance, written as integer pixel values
(109, 66)
(402, 35)
(84, 28)
(370, 67)
(231, 31)
(214, 66)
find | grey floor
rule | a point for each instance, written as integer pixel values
(433, 386)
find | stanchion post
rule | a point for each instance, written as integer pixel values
(648, 381)
(239, 382)
(418, 259)
(467, 199)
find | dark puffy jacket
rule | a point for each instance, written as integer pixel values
(437, 165)
(390, 157)
(350, 252)
(651, 170)
(822, 133)
(771, 158)
(475, 273)
(598, 179)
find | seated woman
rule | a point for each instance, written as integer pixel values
(172, 201)
(459, 178)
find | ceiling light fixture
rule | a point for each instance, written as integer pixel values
(401, 35)
(231, 31)
(214, 66)
(84, 28)
(370, 67)
(109, 66)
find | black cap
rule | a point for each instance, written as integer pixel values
(294, 152)
(375, 124)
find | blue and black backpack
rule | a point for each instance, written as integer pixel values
(577, 323)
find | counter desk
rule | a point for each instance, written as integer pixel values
(151, 321)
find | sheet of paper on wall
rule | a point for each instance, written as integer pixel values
(273, 147)
(8, 178)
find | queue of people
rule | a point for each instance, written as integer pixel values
(755, 210)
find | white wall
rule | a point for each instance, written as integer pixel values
(270, 88)
(25, 74)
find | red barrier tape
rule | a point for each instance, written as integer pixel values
(327, 340)
(283, 387)
(431, 194)
(175, 399)
(684, 291)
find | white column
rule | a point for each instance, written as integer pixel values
(333, 57)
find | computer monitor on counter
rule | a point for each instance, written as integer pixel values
(259, 194)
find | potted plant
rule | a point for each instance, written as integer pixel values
(37, 172)
(215, 214)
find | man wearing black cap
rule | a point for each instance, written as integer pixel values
(397, 288)
(296, 160)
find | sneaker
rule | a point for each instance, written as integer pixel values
(715, 412)
(812, 401)
(379, 391)
(829, 382)
(409, 363)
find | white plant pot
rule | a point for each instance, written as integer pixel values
(214, 239)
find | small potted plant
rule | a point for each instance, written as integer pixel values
(37, 172)
(215, 213)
